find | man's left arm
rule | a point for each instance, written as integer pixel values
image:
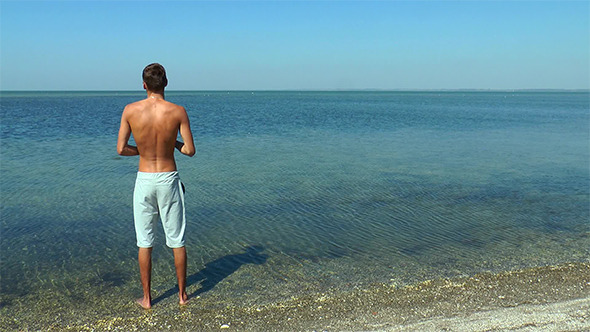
(123, 147)
(188, 146)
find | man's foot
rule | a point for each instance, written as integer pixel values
(144, 303)
(183, 299)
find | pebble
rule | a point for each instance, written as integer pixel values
(225, 326)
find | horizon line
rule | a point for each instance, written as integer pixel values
(329, 90)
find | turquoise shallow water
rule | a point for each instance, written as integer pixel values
(296, 192)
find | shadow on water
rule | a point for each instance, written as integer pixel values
(217, 270)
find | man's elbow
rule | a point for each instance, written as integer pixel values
(125, 150)
(190, 152)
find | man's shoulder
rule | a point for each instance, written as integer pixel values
(136, 104)
(175, 106)
(175, 109)
(141, 104)
(133, 106)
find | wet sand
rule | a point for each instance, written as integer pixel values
(542, 298)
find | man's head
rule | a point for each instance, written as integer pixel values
(154, 77)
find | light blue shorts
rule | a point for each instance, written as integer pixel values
(159, 196)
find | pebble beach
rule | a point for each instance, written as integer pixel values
(553, 298)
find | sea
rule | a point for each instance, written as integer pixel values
(292, 192)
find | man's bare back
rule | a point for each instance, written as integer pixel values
(155, 124)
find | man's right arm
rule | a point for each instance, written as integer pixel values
(188, 147)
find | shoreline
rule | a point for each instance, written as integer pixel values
(556, 297)
(572, 315)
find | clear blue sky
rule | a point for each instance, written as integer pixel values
(101, 45)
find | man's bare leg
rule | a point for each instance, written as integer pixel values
(145, 270)
(180, 264)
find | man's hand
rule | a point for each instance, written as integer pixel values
(179, 145)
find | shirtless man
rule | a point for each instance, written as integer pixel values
(155, 124)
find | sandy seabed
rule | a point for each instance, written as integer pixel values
(550, 298)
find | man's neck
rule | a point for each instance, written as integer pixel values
(155, 95)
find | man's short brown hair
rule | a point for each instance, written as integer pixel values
(154, 76)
